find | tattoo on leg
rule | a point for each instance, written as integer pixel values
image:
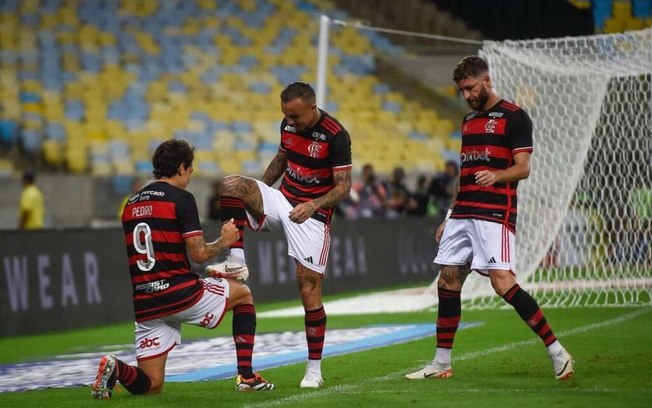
(247, 190)
(454, 274)
(307, 282)
(448, 273)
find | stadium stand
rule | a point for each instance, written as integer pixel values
(92, 86)
(615, 16)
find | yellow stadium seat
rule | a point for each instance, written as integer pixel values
(76, 161)
(230, 165)
(124, 167)
(53, 152)
(622, 10)
(6, 167)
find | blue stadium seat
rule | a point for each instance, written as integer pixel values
(32, 140)
(8, 132)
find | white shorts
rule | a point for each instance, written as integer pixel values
(487, 245)
(308, 242)
(158, 336)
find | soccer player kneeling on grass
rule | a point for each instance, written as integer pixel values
(161, 226)
(480, 226)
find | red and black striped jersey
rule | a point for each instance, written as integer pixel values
(489, 141)
(312, 157)
(156, 221)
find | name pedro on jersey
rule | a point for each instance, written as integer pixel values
(142, 211)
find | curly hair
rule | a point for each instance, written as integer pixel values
(469, 67)
(169, 155)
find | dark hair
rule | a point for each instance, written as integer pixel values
(454, 165)
(28, 177)
(169, 155)
(469, 67)
(300, 90)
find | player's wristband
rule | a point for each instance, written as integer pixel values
(448, 214)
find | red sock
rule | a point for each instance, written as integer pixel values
(133, 378)
(234, 208)
(315, 322)
(448, 317)
(529, 310)
(244, 333)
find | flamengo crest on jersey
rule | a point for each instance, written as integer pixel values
(311, 157)
(489, 141)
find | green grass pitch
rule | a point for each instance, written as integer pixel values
(499, 363)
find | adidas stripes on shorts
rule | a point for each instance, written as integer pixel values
(487, 245)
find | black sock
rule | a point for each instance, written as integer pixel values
(234, 208)
(449, 313)
(244, 332)
(133, 378)
(529, 310)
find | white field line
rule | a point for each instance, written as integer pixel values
(351, 387)
(556, 390)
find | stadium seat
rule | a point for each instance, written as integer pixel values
(8, 132)
(98, 84)
(6, 167)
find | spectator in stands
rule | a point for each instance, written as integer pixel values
(442, 187)
(214, 207)
(371, 193)
(32, 204)
(314, 162)
(398, 195)
(161, 229)
(482, 215)
(419, 201)
(348, 207)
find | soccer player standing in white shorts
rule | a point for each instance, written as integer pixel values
(161, 226)
(314, 159)
(478, 233)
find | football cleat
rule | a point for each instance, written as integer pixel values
(563, 364)
(431, 371)
(312, 379)
(257, 383)
(230, 268)
(107, 375)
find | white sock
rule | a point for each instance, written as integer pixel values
(238, 254)
(443, 357)
(554, 347)
(314, 365)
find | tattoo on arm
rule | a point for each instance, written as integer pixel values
(275, 169)
(201, 251)
(455, 191)
(341, 190)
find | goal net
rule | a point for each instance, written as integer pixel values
(584, 227)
